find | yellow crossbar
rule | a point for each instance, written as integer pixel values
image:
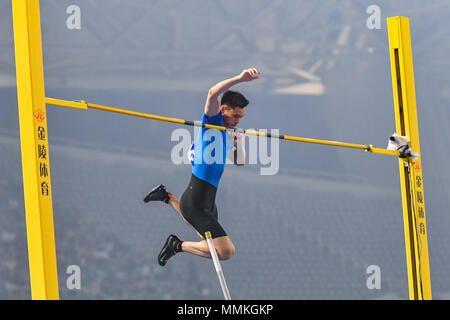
(84, 105)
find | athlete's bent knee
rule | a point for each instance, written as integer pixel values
(226, 253)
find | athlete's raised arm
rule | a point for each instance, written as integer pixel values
(213, 103)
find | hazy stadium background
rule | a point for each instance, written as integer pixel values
(309, 232)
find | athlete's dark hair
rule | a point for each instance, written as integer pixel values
(234, 99)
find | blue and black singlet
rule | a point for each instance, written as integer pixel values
(210, 151)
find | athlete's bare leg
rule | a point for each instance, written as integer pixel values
(224, 246)
(175, 204)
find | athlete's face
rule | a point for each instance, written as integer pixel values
(231, 116)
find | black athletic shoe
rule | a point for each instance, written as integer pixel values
(170, 248)
(158, 193)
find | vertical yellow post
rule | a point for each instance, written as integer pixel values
(34, 147)
(410, 170)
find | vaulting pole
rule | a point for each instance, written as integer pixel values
(217, 266)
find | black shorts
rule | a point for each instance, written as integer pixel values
(198, 207)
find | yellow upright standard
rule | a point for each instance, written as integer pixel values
(35, 153)
(411, 180)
